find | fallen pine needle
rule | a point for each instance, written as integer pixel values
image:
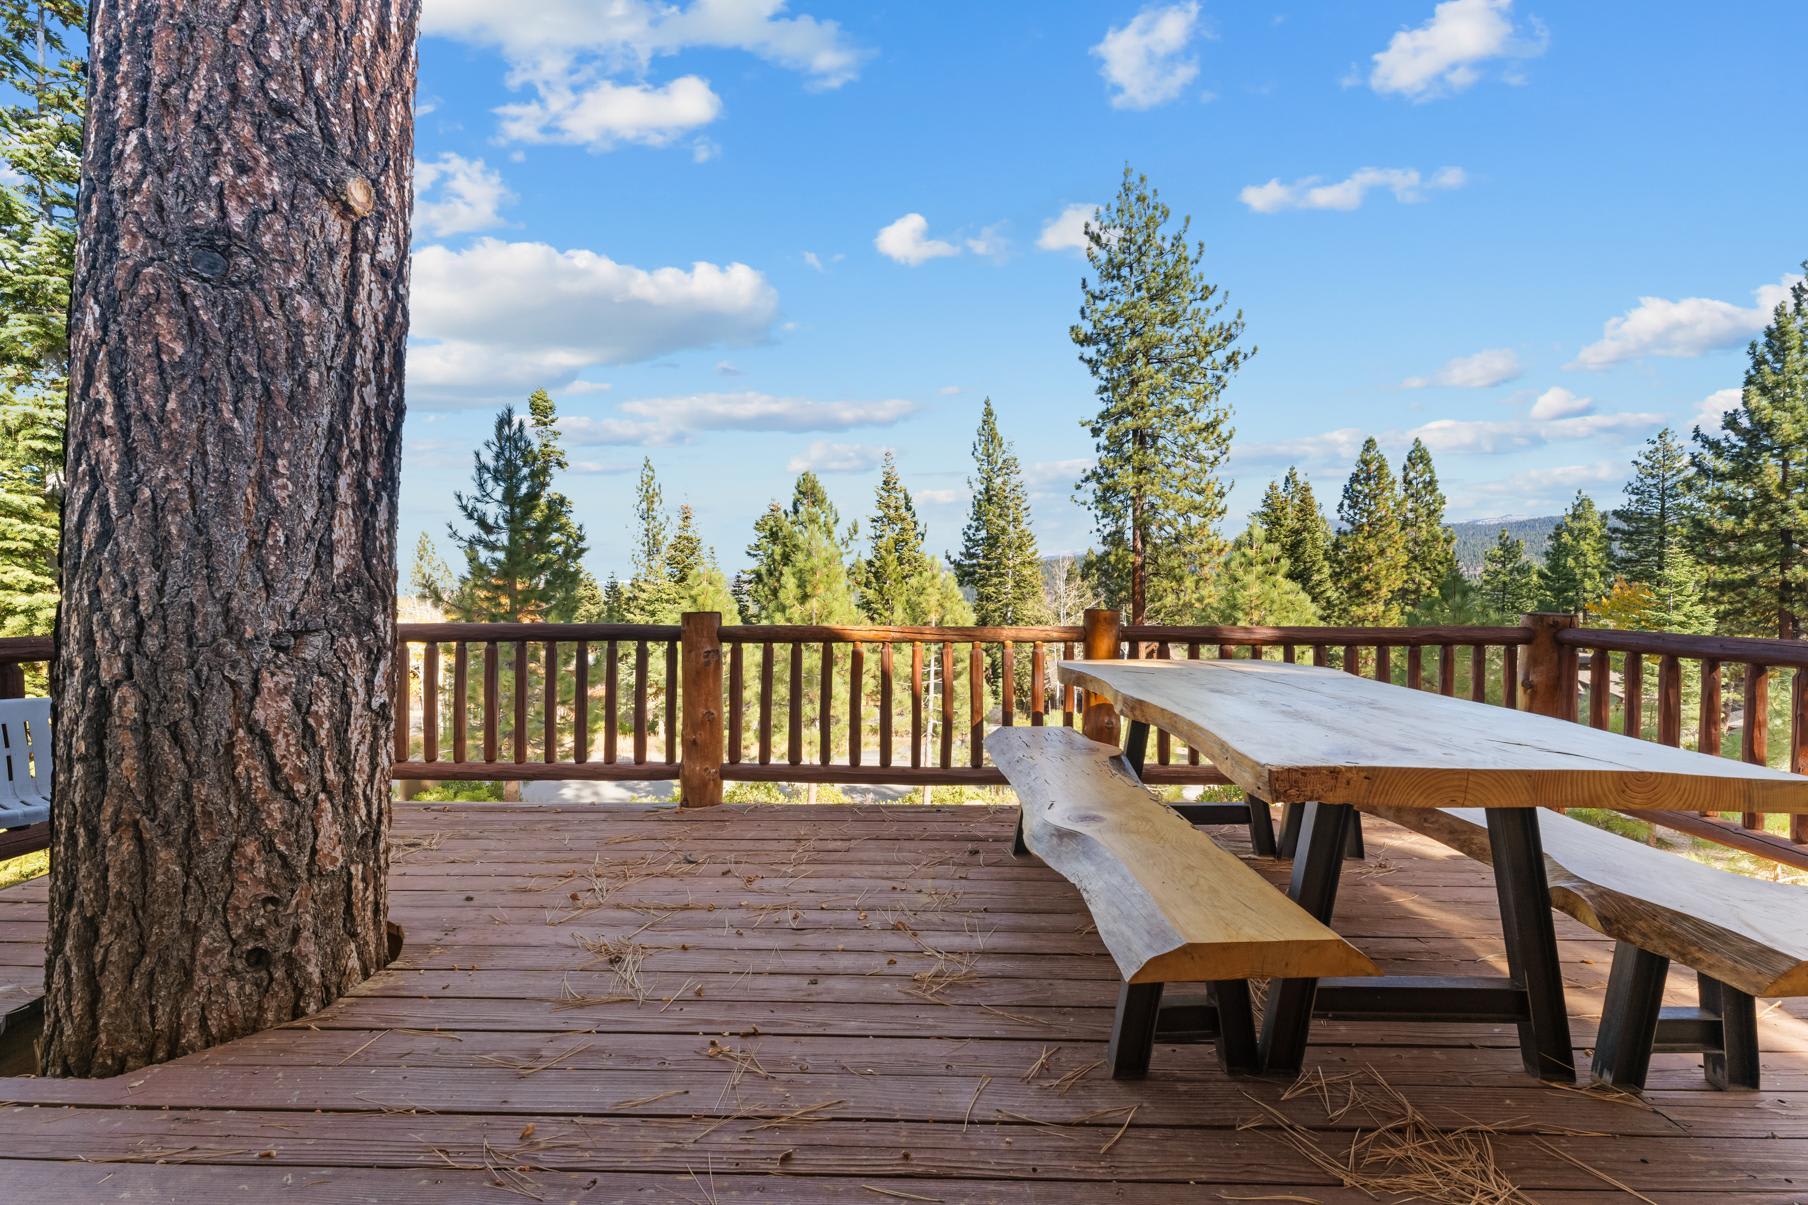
(896, 1194)
(1128, 1118)
(1594, 1171)
(968, 1115)
(647, 1100)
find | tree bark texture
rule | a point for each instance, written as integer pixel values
(223, 654)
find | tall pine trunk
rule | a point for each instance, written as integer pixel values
(224, 648)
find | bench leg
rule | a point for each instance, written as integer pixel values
(1238, 1049)
(1287, 1019)
(1352, 847)
(1261, 828)
(1288, 844)
(1133, 1030)
(1018, 848)
(1629, 1016)
(1136, 746)
(1735, 1065)
(1531, 938)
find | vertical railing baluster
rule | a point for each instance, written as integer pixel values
(1600, 688)
(1352, 660)
(1669, 700)
(1632, 687)
(1163, 743)
(1192, 652)
(976, 704)
(916, 704)
(825, 706)
(492, 699)
(1384, 664)
(401, 689)
(947, 742)
(1038, 684)
(1447, 670)
(885, 703)
(461, 701)
(640, 702)
(856, 701)
(1415, 667)
(430, 701)
(580, 703)
(612, 701)
(766, 692)
(794, 749)
(1067, 692)
(549, 723)
(1321, 655)
(737, 702)
(1509, 676)
(672, 692)
(1798, 745)
(1754, 741)
(1007, 683)
(518, 730)
(1478, 673)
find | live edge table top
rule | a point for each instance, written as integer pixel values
(1306, 734)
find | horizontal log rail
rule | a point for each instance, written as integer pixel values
(706, 703)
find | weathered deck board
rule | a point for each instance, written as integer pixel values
(799, 935)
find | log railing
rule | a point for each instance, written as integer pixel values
(707, 703)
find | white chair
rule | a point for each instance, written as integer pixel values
(24, 762)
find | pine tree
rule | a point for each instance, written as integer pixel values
(800, 561)
(697, 581)
(1576, 561)
(430, 576)
(1509, 583)
(40, 151)
(1430, 546)
(1369, 551)
(895, 558)
(1653, 524)
(649, 595)
(1455, 603)
(1290, 516)
(522, 553)
(1754, 518)
(1255, 585)
(1153, 334)
(998, 560)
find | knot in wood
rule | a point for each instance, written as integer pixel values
(207, 263)
(358, 197)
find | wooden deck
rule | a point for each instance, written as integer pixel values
(843, 1005)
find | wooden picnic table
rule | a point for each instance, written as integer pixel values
(1332, 742)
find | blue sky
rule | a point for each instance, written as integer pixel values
(743, 237)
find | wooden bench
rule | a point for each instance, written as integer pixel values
(1170, 905)
(24, 775)
(1743, 937)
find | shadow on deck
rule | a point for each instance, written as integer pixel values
(839, 1004)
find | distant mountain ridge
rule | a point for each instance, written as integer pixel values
(1474, 538)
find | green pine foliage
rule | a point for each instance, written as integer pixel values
(1291, 517)
(1754, 516)
(1254, 586)
(698, 583)
(998, 561)
(430, 577)
(40, 154)
(1577, 570)
(1154, 335)
(1654, 523)
(1509, 584)
(1456, 603)
(650, 594)
(895, 562)
(1369, 551)
(1430, 546)
(800, 562)
(523, 549)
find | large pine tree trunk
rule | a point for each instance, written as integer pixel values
(221, 676)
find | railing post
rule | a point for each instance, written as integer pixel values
(12, 680)
(1547, 666)
(1103, 632)
(700, 752)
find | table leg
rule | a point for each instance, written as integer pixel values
(1531, 937)
(1136, 746)
(1287, 1018)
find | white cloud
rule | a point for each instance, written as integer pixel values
(603, 115)
(1144, 62)
(948, 390)
(750, 411)
(455, 195)
(1059, 473)
(1446, 53)
(1406, 183)
(990, 242)
(1657, 326)
(498, 319)
(587, 431)
(1485, 369)
(907, 241)
(1066, 231)
(570, 51)
(1559, 480)
(1713, 408)
(727, 368)
(1558, 402)
(825, 457)
(939, 497)
(814, 260)
(1450, 435)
